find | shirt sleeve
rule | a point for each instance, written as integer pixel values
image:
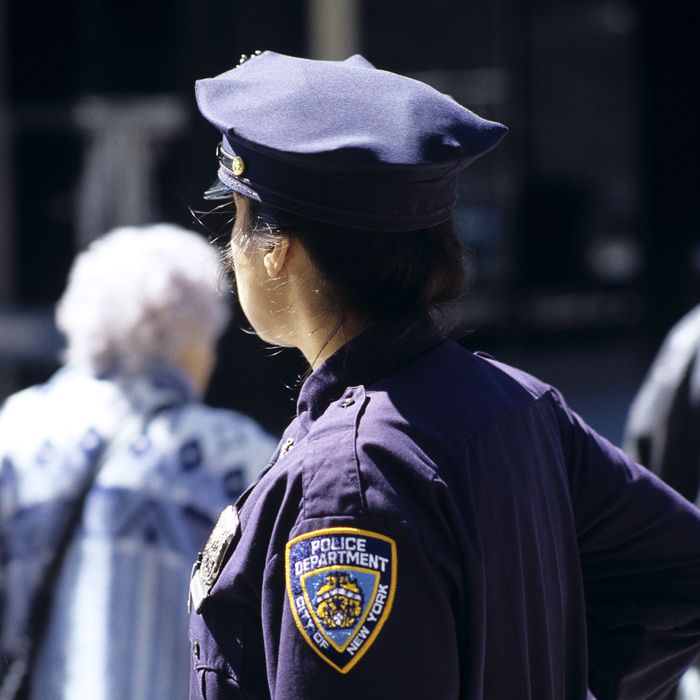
(345, 605)
(639, 544)
(364, 603)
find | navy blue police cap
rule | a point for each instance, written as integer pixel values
(341, 141)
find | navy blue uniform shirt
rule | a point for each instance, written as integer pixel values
(439, 525)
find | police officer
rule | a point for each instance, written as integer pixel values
(435, 524)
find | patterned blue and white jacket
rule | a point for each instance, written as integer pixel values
(118, 625)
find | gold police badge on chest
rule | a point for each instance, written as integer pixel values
(208, 567)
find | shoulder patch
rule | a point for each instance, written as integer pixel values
(341, 583)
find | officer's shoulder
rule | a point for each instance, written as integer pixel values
(452, 386)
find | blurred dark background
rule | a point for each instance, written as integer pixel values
(582, 227)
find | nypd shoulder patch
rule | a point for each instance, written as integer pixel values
(341, 583)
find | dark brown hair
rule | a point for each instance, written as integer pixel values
(374, 274)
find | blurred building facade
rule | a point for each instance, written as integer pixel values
(582, 223)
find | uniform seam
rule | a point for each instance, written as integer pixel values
(358, 418)
(228, 675)
(534, 400)
(391, 518)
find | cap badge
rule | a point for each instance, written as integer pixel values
(237, 166)
(245, 57)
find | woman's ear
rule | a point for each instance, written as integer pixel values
(275, 259)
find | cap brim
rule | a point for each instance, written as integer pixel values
(218, 190)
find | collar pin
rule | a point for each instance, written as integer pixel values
(287, 446)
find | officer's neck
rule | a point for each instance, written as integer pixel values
(315, 325)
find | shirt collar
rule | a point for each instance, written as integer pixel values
(373, 354)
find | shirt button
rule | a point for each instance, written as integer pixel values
(195, 650)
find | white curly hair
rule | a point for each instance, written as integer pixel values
(140, 296)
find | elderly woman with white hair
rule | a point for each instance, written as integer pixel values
(114, 471)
